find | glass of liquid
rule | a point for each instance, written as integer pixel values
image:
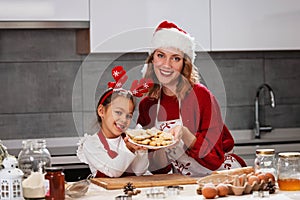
(289, 171)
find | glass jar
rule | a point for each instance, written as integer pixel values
(265, 161)
(34, 156)
(54, 183)
(289, 171)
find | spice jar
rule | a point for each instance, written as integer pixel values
(54, 183)
(289, 171)
(34, 156)
(265, 161)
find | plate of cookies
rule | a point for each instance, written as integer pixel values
(150, 138)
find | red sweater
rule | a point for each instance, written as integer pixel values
(201, 115)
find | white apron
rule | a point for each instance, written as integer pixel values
(181, 162)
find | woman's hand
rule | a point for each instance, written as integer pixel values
(177, 132)
(182, 132)
(133, 147)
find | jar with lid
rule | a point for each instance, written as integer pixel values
(289, 171)
(34, 156)
(54, 183)
(265, 161)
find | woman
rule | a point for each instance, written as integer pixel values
(180, 104)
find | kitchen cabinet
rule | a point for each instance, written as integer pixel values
(128, 25)
(255, 25)
(46, 10)
(232, 25)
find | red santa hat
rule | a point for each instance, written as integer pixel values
(168, 34)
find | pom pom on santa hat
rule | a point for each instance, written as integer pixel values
(168, 34)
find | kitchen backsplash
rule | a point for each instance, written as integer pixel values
(40, 68)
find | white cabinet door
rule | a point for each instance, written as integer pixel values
(128, 25)
(255, 24)
(44, 10)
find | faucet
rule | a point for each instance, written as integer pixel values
(258, 128)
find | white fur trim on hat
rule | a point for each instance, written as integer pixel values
(172, 37)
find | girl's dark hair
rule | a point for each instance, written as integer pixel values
(109, 95)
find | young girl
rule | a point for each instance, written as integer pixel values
(108, 152)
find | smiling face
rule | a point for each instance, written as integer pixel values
(116, 116)
(168, 64)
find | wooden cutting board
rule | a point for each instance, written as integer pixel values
(144, 181)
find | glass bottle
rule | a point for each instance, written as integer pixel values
(55, 183)
(265, 161)
(289, 171)
(34, 156)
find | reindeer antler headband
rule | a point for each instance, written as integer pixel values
(137, 89)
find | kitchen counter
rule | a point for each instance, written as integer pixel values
(282, 140)
(188, 193)
(63, 150)
(276, 136)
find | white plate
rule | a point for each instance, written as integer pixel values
(151, 147)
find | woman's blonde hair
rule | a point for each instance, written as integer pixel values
(189, 77)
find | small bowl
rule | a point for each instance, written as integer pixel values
(78, 189)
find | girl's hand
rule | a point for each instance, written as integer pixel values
(133, 147)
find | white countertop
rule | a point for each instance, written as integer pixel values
(189, 193)
(277, 135)
(282, 140)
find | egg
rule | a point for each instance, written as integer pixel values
(262, 177)
(270, 176)
(209, 191)
(257, 173)
(252, 179)
(250, 174)
(222, 189)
